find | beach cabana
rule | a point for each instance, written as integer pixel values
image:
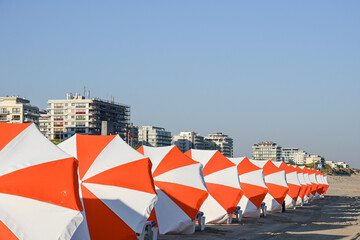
(222, 182)
(180, 187)
(117, 189)
(253, 185)
(39, 197)
(275, 180)
(293, 183)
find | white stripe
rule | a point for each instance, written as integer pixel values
(202, 156)
(156, 154)
(278, 178)
(190, 176)
(34, 220)
(254, 178)
(227, 177)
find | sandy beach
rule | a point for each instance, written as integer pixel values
(337, 216)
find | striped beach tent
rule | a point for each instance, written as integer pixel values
(320, 180)
(253, 185)
(39, 197)
(308, 196)
(293, 183)
(116, 187)
(304, 186)
(314, 183)
(180, 187)
(326, 183)
(222, 182)
(275, 180)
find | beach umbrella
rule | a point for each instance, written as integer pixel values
(180, 187)
(308, 196)
(116, 186)
(293, 183)
(253, 185)
(314, 183)
(222, 182)
(39, 196)
(304, 186)
(275, 180)
(326, 183)
(320, 180)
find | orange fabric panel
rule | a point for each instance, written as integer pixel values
(255, 194)
(6, 233)
(227, 197)
(153, 217)
(293, 191)
(246, 166)
(313, 188)
(134, 175)
(88, 149)
(189, 199)
(308, 190)
(277, 192)
(216, 163)
(53, 182)
(320, 189)
(141, 149)
(8, 131)
(302, 191)
(270, 168)
(172, 160)
(102, 222)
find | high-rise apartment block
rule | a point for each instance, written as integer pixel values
(154, 136)
(287, 154)
(77, 114)
(223, 143)
(18, 110)
(266, 151)
(189, 140)
(299, 157)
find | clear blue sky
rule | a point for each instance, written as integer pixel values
(286, 71)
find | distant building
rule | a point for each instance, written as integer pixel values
(18, 110)
(132, 134)
(77, 114)
(299, 157)
(287, 154)
(333, 164)
(189, 140)
(45, 124)
(154, 136)
(266, 151)
(223, 143)
(314, 159)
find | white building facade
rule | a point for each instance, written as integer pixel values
(76, 114)
(189, 140)
(299, 157)
(154, 136)
(223, 143)
(266, 151)
(18, 110)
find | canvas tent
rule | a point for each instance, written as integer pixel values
(180, 187)
(253, 185)
(308, 196)
(117, 189)
(222, 182)
(275, 180)
(39, 196)
(293, 183)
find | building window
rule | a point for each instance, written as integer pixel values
(16, 117)
(16, 110)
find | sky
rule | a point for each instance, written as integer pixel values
(282, 71)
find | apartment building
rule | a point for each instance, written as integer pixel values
(77, 114)
(287, 154)
(189, 140)
(266, 151)
(314, 159)
(299, 157)
(18, 110)
(223, 143)
(154, 136)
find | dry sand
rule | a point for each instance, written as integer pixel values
(337, 216)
